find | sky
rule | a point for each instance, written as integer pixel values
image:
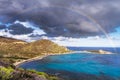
(81, 23)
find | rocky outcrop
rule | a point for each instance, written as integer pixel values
(100, 51)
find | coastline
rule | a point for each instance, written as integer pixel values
(18, 63)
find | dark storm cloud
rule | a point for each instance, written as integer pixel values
(54, 17)
(19, 29)
(2, 27)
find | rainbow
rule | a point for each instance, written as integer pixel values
(75, 9)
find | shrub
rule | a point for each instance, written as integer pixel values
(6, 73)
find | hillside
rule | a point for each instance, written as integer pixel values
(13, 50)
(9, 72)
(20, 49)
(9, 47)
(44, 47)
(9, 40)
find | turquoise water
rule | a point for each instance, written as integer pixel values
(79, 65)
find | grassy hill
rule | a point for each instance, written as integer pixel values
(43, 47)
(9, 47)
(9, 40)
(18, 49)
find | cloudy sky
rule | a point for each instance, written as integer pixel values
(66, 22)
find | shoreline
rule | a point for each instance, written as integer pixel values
(17, 64)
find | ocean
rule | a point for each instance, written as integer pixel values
(79, 65)
(110, 49)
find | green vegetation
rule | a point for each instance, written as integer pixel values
(6, 73)
(44, 75)
(39, 73)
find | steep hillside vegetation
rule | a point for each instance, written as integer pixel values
(8, 73)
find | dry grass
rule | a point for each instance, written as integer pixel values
(20, 49)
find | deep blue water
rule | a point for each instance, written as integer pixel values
(111, 49)
(79, 66)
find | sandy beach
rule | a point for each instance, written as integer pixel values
(38, 58)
